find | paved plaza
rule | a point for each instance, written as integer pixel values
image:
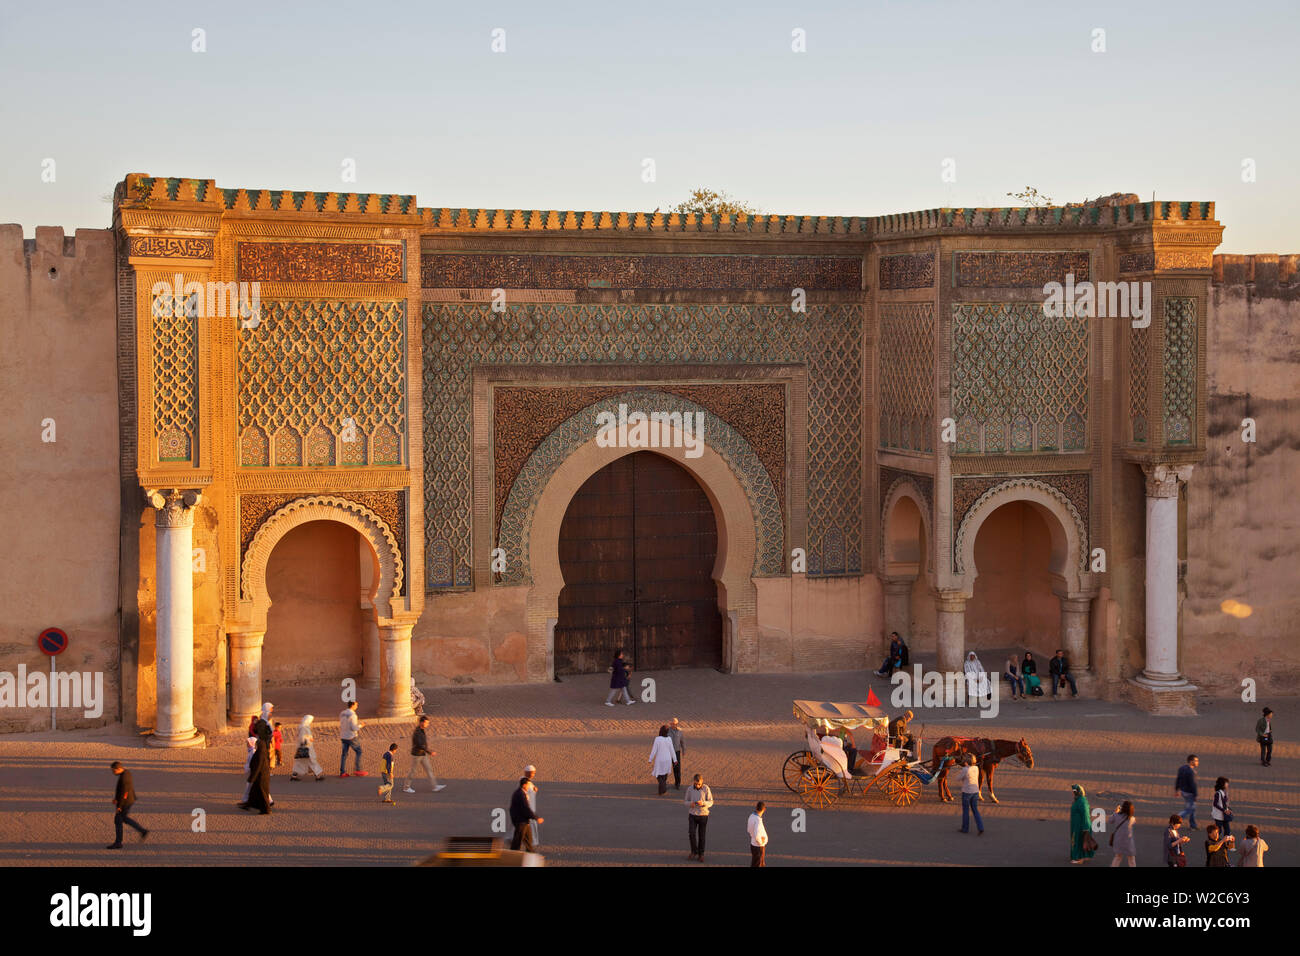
(597, 794)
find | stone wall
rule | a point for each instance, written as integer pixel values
(59, 499)
(1243, 513)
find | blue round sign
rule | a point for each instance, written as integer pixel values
(53, 641)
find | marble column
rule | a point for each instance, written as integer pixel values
(395, 670)
(174, 524)
(898, 609)
(245, 676)
(1075, 631)
(951, 630)
(1162, 576)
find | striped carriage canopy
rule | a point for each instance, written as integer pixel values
(828, 714)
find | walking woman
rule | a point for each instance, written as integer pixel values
(1253, 848)
(304, 758)
(618, 680)
(1174, 855)
(259, 779)
(1221, 814)
(1121, 835)
(1082, 844)
(661, 758)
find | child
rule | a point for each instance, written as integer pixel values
(277, 739)
(386, 775)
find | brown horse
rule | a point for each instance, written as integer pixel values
(987, 753)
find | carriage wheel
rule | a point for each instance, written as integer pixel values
(904, 788)
(819, 788)
(796, 765)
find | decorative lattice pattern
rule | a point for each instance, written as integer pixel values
(1139, 350)
(521, 503)
(827, 338)
(175, 380)
(1012, 363)
(907, 376)
(310, 365)
(254, 448)
(1180, 370)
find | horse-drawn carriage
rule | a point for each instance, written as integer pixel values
(821, 773)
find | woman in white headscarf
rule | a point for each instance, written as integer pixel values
(977, 680)
(304, 758)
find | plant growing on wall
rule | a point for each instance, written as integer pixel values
(710, 202)
(1031, 197)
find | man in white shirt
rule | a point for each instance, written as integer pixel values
(757, 836)
(349, 734)
(969, 776)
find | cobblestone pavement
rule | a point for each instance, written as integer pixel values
(599, 799)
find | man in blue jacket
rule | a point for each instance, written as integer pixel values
(1185, 787)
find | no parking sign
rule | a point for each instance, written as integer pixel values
(52, 641)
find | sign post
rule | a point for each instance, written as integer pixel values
(52, 642)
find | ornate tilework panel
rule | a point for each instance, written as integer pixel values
(1013, 363)
(309, 365)
(908, 270)
(175, 380)
(389, 505)
(1073, 488)
(1139, 348)
(826, 338)
(524, 416)
(322, 261)
(170, 247)
(485, 271)
(254, 448)
(517, 515)
(387, 446)
(1180, 370)
(1018, 270)
(907, 376)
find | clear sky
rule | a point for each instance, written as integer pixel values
(859, 124)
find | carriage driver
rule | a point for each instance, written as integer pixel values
(898, 732)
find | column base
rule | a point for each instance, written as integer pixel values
(1161, 698)
(195, 740)
(401, 710)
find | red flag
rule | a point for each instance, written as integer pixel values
(872, 699)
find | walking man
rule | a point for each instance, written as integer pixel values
(1185, 787)
(1264, 735)
(679, 748)
(123, 798)
(698, 800)
(349, 734)
(421, 762)
(757, 836)
(1060, 671)
(530, 774)
(521, 814)
(969, 776)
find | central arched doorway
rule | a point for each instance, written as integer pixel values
(1013, 604)
(638, 546)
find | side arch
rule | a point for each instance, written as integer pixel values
(255, 600)
(904, 488)
(1067, 528)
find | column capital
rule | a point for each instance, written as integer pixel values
(175, 506)
(953, 602)
(1163, 479)
(895, 585)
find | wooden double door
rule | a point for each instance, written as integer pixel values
(637, 549)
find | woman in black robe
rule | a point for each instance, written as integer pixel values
(259, 778)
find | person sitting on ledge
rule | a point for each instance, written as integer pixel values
(1060, 670)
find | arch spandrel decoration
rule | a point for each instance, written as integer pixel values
(252, 578)
(521, 503)
(1068, 531)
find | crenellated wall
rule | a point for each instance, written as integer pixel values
(59, 499)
